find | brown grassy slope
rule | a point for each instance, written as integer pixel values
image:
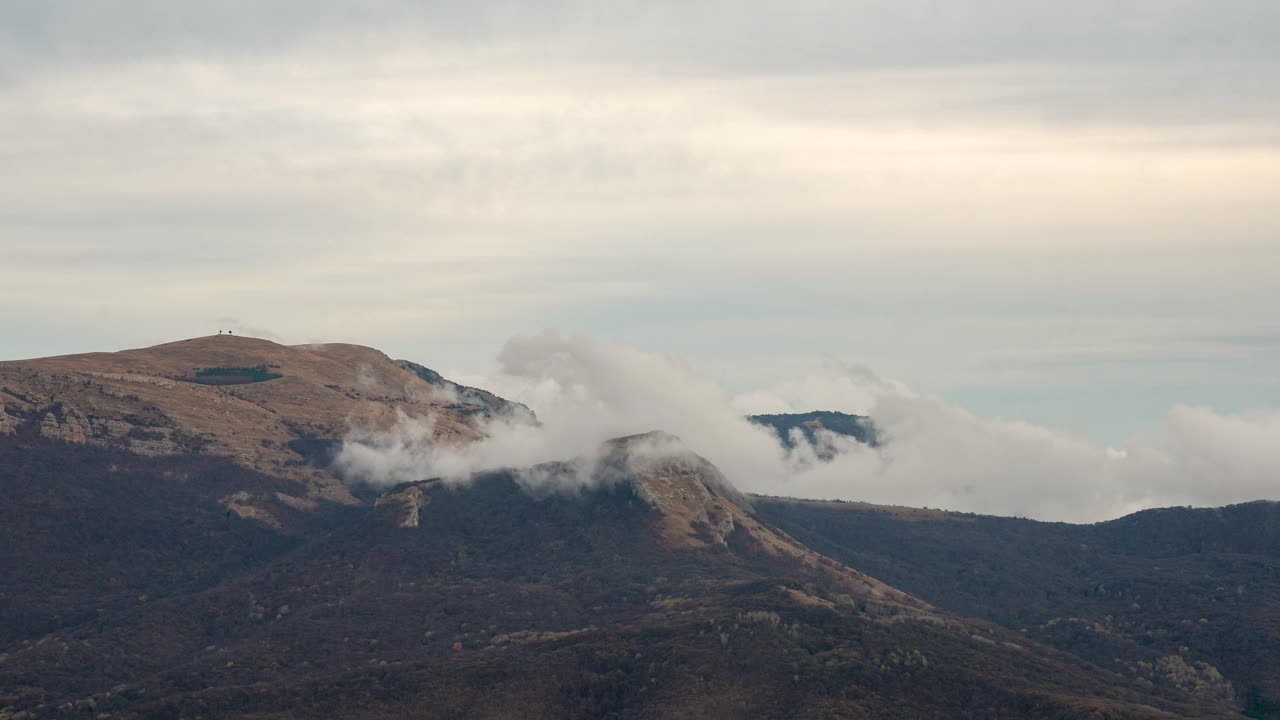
(140, 400)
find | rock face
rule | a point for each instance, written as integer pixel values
(468, 400)
(694, 503)
(145, 401)
(697, 506)
(406, 502)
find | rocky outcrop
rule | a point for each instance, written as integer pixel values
(141, 437)
(243, 504)
(694, 501)
(405, 504)
(14, 409)
(1198, 678)
(468, 400)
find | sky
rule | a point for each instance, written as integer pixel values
(1060, 213)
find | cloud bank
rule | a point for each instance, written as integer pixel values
(933, 453)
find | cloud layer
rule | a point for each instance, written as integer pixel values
(933, 453)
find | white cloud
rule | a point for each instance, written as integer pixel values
(830, 385)
(933, 453)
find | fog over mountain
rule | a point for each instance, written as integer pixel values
(582, 360)
(227, 526)
(931, 453)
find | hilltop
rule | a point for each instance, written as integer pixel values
(809, 426)
(276, 409)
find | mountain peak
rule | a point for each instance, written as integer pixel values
(277, 409)
(672, 478)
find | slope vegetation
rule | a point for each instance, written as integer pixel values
(1174, 598)
(612, 601)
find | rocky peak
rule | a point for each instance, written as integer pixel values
(405, 502)
(696, 502)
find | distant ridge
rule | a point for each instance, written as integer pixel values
(811, 425)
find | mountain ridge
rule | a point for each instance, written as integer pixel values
(1166, 595)
(237, 577)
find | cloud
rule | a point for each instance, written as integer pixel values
(932, 453)
(715, 36)
(584, 392)
(832, 384)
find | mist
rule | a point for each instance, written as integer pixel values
(932, 453)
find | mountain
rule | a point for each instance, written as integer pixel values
(816, 428)
(272, 408)
(148, 575)
(1174, 598)
(650, 594)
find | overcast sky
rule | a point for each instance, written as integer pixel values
(1064, 212)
